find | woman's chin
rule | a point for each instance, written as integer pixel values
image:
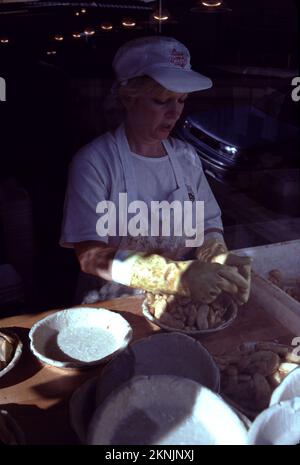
(163, 133)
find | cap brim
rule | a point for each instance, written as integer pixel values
(178, 80)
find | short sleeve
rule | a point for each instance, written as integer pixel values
(87, 186)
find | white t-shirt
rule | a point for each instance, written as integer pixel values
(96, 174)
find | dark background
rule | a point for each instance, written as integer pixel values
(255, 32)
(54, 104)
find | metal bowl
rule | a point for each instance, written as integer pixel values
(229, 317)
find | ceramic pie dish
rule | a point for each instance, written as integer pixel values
(10, 360)
(79, 337)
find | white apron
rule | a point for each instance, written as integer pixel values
(173, 247)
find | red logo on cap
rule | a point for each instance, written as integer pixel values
(178, 58)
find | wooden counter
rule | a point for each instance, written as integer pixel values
(37, 396)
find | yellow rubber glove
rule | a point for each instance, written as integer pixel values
(214, 250)
(199, 281)
(243, 265)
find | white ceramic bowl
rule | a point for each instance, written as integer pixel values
(288, 388)
(277, 425)
(17, 353)
(79, 337)
(165, 410)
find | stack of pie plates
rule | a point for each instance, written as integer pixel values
(165, 410)
(172, 354)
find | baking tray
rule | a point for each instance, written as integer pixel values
(284, 256)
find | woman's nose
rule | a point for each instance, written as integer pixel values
(174, 110)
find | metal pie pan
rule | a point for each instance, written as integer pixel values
(230, 316)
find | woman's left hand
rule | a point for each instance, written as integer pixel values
(243, 265)
(214, 250)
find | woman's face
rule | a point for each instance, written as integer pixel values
(154, 117)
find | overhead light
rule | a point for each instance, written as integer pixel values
(161, 15)
(128, 22)
(211, 3)
(59, 37)
(106, 26)
(81, 12)
(89, 32)
(210, 6)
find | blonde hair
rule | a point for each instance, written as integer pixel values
(114, 109)
(144, 85)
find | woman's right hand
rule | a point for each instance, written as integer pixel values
(205, 281)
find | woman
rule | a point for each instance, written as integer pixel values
(118, 181)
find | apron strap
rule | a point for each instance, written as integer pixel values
(177, 169)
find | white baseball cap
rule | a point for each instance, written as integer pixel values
(164, 59)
